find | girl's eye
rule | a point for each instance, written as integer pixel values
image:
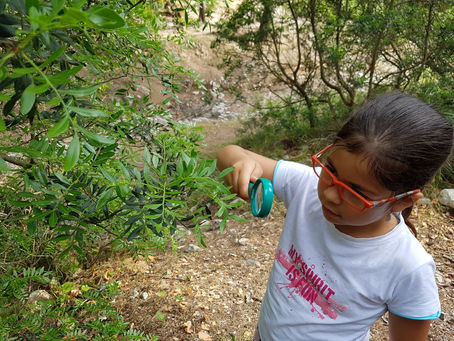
(361, 194)
(330, 168)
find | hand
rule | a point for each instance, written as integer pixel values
(248, 167)
(246, 170)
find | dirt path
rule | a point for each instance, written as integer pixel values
(214, 293)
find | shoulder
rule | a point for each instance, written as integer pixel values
(296, 172)
(413, 255)
(291, 178)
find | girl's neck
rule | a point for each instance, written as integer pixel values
(376, 229)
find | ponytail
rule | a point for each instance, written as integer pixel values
(406, 215)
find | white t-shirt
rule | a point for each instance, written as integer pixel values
(326, 285)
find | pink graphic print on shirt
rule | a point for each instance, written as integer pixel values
(307, 284)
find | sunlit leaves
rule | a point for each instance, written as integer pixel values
(79, 174)
(88, 112)
(27, 100)
(72, 155)
(59, 128)
(105, 18)
(3, 166)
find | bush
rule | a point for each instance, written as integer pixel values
(93, 166)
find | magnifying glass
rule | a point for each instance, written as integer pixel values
(261, 194)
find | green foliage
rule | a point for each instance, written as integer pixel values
(75, 140)
(281, 128)
(87, 163)
(70, 312)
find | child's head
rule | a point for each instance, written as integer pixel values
(404, 140)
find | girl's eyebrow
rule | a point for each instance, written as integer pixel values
(350, 184)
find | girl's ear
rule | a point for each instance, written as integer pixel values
(400, 205)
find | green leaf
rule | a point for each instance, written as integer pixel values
(107, 175)
(38, 89)
(105, 197)
(59, 128)
(72, 155)
(87, 112)
(33, 14)
(147, 155)
(80, 92)
(105, 18)
(67, 287)
(57, 6)
(53, 219)
(124, 170)
(54, 101)
(97, 138)
(31, 227)
(2, 73)
(160, 316)
(225, 172)
(19, 72)
(27, 100)
(53, 57)
(62, 77)
(2, 125)
(3, 166)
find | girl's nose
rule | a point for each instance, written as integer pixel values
(332, 195)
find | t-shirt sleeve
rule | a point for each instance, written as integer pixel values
(291, 178)
(416, 295)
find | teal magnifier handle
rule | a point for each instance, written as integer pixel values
(261, 195)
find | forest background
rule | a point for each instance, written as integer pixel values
(91, 170)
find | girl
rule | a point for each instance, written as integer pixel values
(345, 255)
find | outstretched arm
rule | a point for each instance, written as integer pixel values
(249, 166)
(403, 329)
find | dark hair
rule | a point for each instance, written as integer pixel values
(404, 140)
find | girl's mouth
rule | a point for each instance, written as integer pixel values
(328, 213)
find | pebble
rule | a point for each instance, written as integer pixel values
(37, 295)
(251, 262)
(424, 201)
(144, 295)
(192, 248)
(243, 241)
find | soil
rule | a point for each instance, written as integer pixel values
(214, 293)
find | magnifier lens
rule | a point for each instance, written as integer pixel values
(259, 197)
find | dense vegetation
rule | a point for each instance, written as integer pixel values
(88, 167)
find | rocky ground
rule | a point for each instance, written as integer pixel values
(214, 293)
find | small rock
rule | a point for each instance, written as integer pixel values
(39, 295)
(441, 280)
(135, 293)
(424, 201)
(446, 197)
(243, 241)
(251, 262)
(192, 248)
(144, 295)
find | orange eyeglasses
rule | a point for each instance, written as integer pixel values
(350, 196)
